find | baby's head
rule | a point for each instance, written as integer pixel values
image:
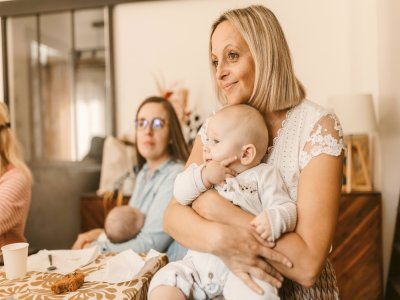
(123, 223)
(237, 130)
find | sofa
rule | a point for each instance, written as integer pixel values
(54, 216)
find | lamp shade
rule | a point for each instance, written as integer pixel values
(355, 112)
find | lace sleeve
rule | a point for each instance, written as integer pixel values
(325, 137)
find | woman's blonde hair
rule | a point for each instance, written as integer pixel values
(177, 148)
(275, 86)
(9, 147)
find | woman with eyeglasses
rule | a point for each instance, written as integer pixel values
(161, 152)
(15, 185)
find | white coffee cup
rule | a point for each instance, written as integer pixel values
(15, 259)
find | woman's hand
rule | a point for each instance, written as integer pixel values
(246, 255)
(86, 238)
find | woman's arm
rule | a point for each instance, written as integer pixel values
(213, 207)
(86, 238)
(317, 208)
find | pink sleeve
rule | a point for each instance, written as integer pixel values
(13, 189)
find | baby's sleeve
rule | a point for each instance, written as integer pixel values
(280, 208)
(189, 185)
(326, 137)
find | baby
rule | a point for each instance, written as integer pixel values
(234, 131)
(123, 223)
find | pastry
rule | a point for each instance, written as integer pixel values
(68, 283)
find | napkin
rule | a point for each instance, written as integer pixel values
(122, 267)
(66, 261)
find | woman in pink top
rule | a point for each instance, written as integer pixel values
(15, 184)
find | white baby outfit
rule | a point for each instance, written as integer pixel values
(204, 276)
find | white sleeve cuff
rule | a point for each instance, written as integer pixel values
(189, 185)
(282, 219)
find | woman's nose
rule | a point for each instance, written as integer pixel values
(148, 129)
(222, 71)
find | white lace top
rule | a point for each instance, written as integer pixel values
(308, 131)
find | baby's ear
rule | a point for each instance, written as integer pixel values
(248, 154)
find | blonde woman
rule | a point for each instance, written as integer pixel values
(15, 184)
(251, 63)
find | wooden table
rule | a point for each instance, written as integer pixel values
(36, 285)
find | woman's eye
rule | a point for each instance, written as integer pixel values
(215, 141)
(215, 63)
(233, 56)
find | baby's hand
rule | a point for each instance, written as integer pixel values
(262, 226)
(215, 172)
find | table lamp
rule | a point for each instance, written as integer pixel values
(356, 114)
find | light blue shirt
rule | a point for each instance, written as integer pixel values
(151, 196)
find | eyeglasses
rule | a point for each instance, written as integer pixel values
(156, 124)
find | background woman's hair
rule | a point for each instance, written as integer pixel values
(9, 147)
(276, 86)
(177, 148)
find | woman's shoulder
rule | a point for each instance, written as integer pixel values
(15, 176)
(308, 114)
(308, 107)
(174, 166)
(13, 172)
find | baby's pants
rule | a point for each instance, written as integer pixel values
(202, 276)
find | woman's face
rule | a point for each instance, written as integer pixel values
(233, 63)
(152, 132)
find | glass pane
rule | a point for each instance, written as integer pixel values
(90, 76)
(58, 84)
(55, 110)
(22, 59)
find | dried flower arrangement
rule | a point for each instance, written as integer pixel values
(178, 96)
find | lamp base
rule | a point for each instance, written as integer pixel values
(357, 165)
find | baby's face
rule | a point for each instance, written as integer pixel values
(222, 140)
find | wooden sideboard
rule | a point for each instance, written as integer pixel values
(92, 211)
(357, 246)
(393, 281)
